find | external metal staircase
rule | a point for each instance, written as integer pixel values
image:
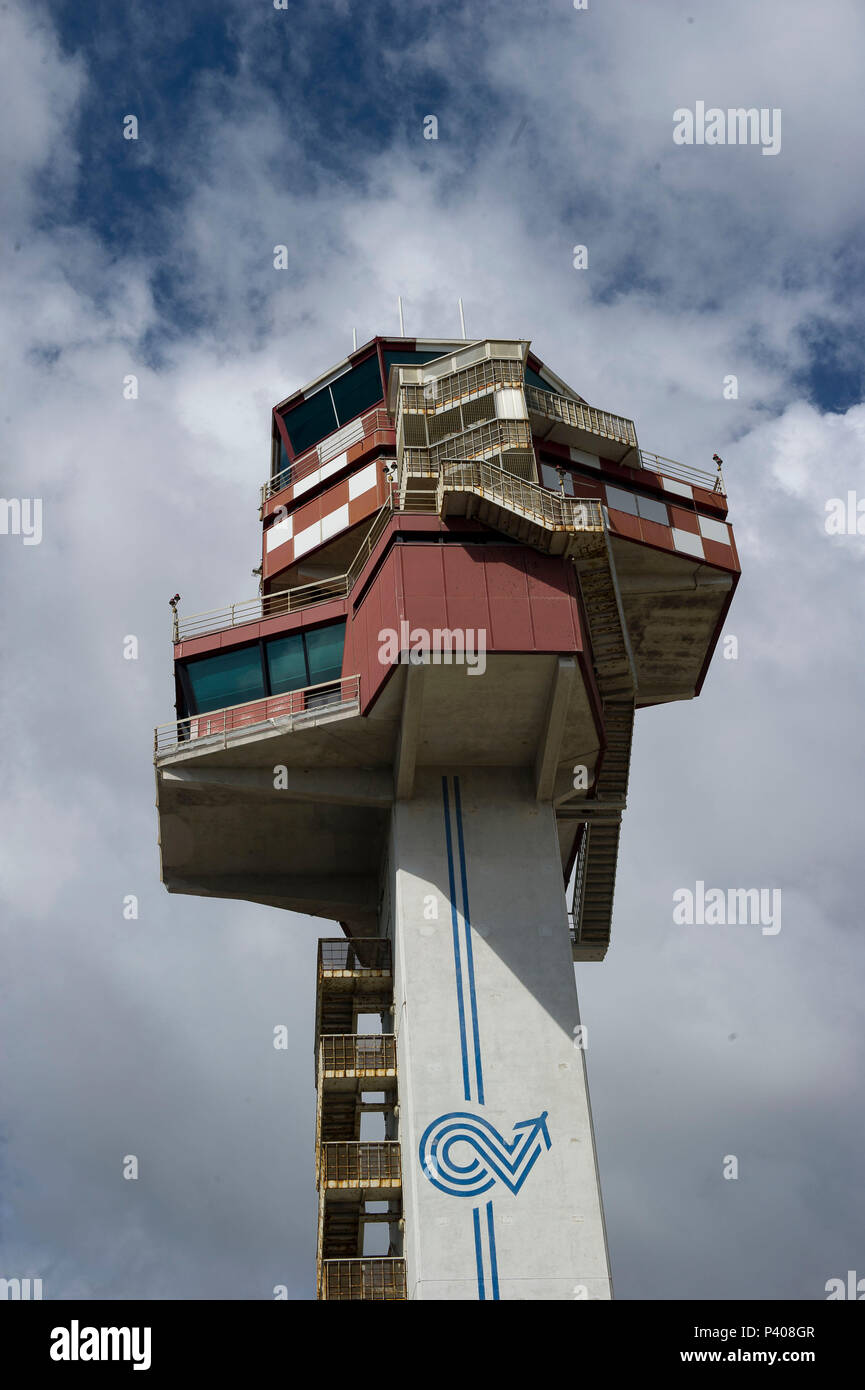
(595, 879)
(595, 884)
(572, 527)
(354, 978)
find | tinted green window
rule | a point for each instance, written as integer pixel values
(324, 652)
(283, 456)
(351, 393)
(410, 359)
(231, 678)
(357, 390)
(310, 421)
(534, 379)
(293, 662)
(286, 663)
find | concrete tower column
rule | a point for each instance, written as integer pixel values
(500, 1181)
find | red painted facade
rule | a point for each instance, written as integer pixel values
(421, 574)
(522, 601)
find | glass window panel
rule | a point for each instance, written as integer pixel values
(231, 678)
(407, 359)
(286, 663)
(622, 501)
(283, 456)
(324, 652)
(357, 390)
(534, 379)
(310, 421)
(551, 478)
(652, 510)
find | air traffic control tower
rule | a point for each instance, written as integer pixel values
(420, 731)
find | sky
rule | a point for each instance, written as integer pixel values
(154, 257)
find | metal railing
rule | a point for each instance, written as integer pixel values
(358, 1164)
(535, 502)
(584, 417)
(368, 544)
(294, 706)
(576, 911)
(338, 956)
(619, 428)
(417, 463)
(439, 392)
(254, 610)
(357, 1052)
(495, 436)
(710, 482)
(372, 1280)
(330, 448)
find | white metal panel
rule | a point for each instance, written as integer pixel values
(714, 530)
(280, 533)
(673, 485)
(510, 405)
(305, 540)
(328, 469)
(688, 543)
(306, 483)
(362, 482)
(334, 521)
(580, 456)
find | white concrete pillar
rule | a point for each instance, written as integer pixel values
(500, 1182)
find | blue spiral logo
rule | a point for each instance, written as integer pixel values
(490, 1157)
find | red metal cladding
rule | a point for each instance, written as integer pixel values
(684, 520)
(521, 600)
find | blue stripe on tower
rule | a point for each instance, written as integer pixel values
(494, 1264)
(456, 939)
(470, 962)
(479, 1259)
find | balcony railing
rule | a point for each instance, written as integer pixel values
(322, 454)
(254, 610)
(368, 544)
(617, 427)
(373, 1280)
(362, 955)
(439, 392)
(582, 417)
(353, 1053)
(359, 1164)
(280, 711)
(683, 472)
(284, 601)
